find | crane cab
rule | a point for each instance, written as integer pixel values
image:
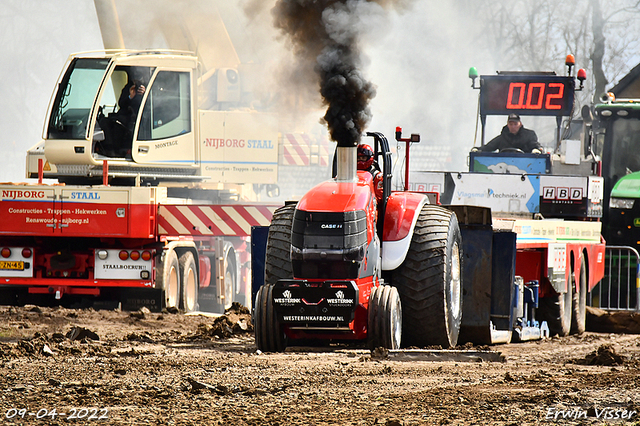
(160, 134)
(92, 116)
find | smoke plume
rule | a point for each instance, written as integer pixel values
(324, 35)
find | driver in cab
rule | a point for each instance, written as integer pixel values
(513, 137)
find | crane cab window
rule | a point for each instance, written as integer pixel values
(167, 110)
(74, 98)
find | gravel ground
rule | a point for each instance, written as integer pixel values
(61, 366)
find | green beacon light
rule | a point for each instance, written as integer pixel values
(473, 74)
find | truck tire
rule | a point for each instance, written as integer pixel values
(278, 254)
(579, 300)
(556, 311)
(168, 279)
(229, 284)
(429, 280)
(384, 318)
(168, 273)
(190, 282)
(269, 334)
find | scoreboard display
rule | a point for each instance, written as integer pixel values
(526, 95)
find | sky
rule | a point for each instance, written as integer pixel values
(418, 59)
(36, 41)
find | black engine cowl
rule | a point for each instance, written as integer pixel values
(328, 244)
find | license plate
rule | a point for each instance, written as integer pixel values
(17, 265)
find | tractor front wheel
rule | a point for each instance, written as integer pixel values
(269, 333)
(385, 318)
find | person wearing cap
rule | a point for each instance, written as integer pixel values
(514, 136)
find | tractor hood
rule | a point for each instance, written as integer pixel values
(627, 187)
(334, 196)
(331, 230)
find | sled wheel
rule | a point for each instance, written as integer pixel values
(556, 310)
(190, 284)
(579, 299)
(429, 281)
(278, 253)
(168, 271)
(269, 334)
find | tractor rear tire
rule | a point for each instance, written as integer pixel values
(579, 299)
(190, 282)
(269, 333)
(384, 318)
(168, 273)
(429, 281)
(556, 310)
(278, 253)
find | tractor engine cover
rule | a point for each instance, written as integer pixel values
(328, 244)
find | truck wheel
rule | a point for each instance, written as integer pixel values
(384, 318)
(556, 310)
(168, 272)
(229, 284)
(269, 334)
(278, 255)
(579, 300)
(429, 280)
(190, 282)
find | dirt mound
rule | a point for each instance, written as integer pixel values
(235, 321)
(604, 355)
(602, 321)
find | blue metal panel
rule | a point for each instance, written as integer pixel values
(476, 305)
(258, 254)
(504, 268)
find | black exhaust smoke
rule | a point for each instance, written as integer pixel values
(324, 34)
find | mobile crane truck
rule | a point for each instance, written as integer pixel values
(406, 272)
(163, 222)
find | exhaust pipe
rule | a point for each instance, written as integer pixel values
(347, 164)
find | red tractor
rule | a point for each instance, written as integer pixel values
(344, 265)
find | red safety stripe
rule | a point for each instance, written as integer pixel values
(212, 220)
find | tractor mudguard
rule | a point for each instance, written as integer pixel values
(403, 209)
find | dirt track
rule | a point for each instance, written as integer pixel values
(149, 368)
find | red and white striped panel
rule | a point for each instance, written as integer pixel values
(323, 151)
(213, 220)
(301, 149)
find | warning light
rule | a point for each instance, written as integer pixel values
(570, 61)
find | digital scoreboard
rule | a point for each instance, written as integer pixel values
(526, 95)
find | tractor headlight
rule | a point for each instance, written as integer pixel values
(621, 203)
